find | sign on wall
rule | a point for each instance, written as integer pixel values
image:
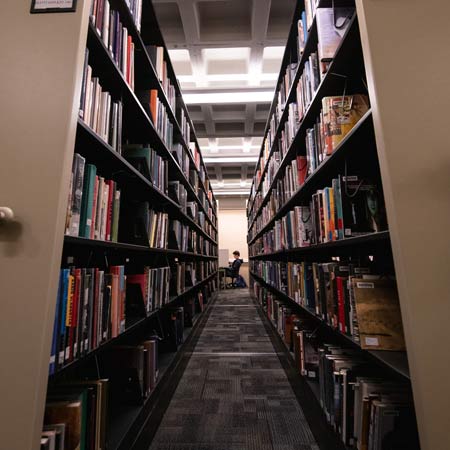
(52, 6)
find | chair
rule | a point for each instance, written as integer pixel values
(233, 275)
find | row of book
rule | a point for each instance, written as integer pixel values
(185, 275)
(332, 24)
(156, 54)
(338, 117)
(99, 110)
(348, 296)
(157, 112)
(93, 304)
(115, 37)
(148, 162)
(93, 206)
(142, 225)
(349, 207)
(78, 411)
(135, 7)
(366, 409)
(150, 289)
(90, 309)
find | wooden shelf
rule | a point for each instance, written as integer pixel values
(394, 361)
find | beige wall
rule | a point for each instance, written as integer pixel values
(233, 230)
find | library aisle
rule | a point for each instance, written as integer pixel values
(234, 393)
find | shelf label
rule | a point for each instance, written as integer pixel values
(52, 6)
(372, 341)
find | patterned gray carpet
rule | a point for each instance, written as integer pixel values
(234, 394)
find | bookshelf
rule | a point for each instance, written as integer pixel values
(56, 131)
(372, 148)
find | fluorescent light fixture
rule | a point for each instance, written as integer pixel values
(220, 184)
(226, 53)
(228, 77)
(247, 146)
(243, 183)
(231, 193)
(232, 147)
(179, 54)
(228, 97)
(237, 159)
(273, 52)
(227, 184)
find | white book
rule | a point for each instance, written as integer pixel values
(331, 27)
(94, 109)
(105, 30)
(87, 100)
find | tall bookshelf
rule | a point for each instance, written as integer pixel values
(63, 132)
(368, 150)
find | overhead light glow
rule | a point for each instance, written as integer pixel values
(228, 77)
(228, 97)
(243, 183)
(237, 159)
(244, 147)
(231, 193)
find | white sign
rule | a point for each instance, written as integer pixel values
(53, 6)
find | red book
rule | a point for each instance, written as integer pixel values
(141, 280)
(340, 284)
(154, 106)
(94, 209)
(129, 46)
(112, 188)
(302, 167)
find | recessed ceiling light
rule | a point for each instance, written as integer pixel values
(228, 97)
(237, 159)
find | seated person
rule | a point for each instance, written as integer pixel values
(233, 270)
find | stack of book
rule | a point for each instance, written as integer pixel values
(178, 193)
(144, 226)
(149, 163)
(185, 127)
(156, 110)
(99, 111)
(181, 157)
(178, 236)
(347, 296)
(93, 206)
(76, 416)
(115, 37)
(338, 116)
(90, 309)
(156, 54)
(153, 285)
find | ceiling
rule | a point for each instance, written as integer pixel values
(232, 48)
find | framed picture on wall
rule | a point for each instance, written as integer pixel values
(52, 6)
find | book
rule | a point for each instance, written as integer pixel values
(378, 313)
(332, 24)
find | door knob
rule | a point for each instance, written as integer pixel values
(6, 214)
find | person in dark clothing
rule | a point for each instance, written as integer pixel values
(233, 271)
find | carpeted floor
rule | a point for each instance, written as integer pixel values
(234, 393)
